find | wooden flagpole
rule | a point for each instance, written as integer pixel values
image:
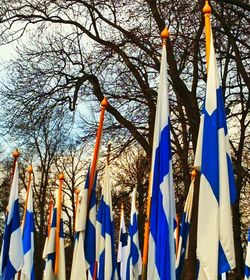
(30, 171)
(104, 105)
(207, 13)
(58, 222)
(164, 36)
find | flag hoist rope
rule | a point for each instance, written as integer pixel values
(164, 36)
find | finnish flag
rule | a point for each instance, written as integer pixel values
(12, 256)
(122, 248)
(161, 257)
(105, 249)
(217, 188)
(134, 262)
(27, 272)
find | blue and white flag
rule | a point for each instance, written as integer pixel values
(184, 231)
(247, 262)
(161, 258)
(217, 188)
(49, 253)
(105, 248)
(90, 240)
(12, 258)
(79, 266)
(122, 248)
(134, 262)
(27, 272)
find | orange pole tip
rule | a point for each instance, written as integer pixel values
(77, 191)
(165, 33)
(61, 176)
(30, 169)
(194, 173)
(104, 103)
(16, 153)
(207, 8)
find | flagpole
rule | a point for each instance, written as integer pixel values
(104, 105)
(30, 171)
(207, 13)
(58, 221)
(177, 232)
(164, 36)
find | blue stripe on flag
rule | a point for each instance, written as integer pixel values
(8, 271)
(28, 229)
(90, 232)
(159, 226)
(210, 160)
(184, 231)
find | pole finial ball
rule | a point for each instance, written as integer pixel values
(16, 153)
(104, 102)
(77, 191)
(194, 173)
(165, 33)
(61, 176)
(30, 169)
(207, 8)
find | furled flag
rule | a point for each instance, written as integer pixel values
(217, 188)
(105, 250)
(11, 260)
(161, 258)
(79, 262)
(134, 263)
(247, 262)
(121, 254)
(50, 249)
(90, 240)
(27, 272)
(184, 231)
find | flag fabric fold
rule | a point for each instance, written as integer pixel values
(217, 188)
(90, 235)
(79, 262)
(161, 255)
(247, 262)
(184, 231)
(105, 251)
(134, 262)
(122, 248)
(12, 256)
(50, 249)
(27, 272)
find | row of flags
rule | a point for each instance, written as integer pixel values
(94, 254)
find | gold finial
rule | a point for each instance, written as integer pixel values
(30, 169)
(164, 33)
(61, 176)
(122, 207)
(16, 153)
(194, 173)
(207, 8)
(77, 191)
(104, 103)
